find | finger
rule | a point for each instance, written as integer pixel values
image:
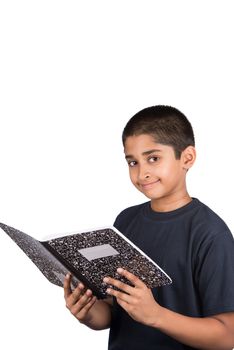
(67, 285)
(123, 304)
(88, 306)
(81, 311)
(77, 293)
(120, 285)
(131, 277)
(77, 299)
(82, 302)
(126, 298)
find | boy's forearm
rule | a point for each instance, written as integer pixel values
(99, 317)
(203, 333)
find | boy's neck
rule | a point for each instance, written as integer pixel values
(164, 205)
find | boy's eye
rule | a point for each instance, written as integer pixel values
(132, 163)
(153, 159)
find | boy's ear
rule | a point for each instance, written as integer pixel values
(188, 157)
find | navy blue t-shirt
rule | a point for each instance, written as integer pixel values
(196, 249)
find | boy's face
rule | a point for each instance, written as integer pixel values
(154, 170)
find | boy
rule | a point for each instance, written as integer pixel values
(186, 238)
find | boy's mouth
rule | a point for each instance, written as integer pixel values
(148, 185)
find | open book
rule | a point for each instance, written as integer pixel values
(89, 256)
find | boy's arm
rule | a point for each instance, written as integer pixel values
(216, 332)
(95, 314)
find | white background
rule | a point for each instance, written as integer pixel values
(71, 75)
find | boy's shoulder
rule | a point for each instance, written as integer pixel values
(129, 213)
(132, 210)
(209, 220)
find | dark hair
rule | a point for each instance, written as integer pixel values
(166, 124)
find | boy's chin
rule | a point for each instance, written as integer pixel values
(153, 196)
(150, 195)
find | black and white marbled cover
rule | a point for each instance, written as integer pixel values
(50, 266)
(89, 256)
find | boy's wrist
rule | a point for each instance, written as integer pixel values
(157, 317)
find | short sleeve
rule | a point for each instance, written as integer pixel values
(215, 274)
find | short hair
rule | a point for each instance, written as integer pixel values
(166, 124)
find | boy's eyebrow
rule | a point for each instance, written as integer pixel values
(146, 153)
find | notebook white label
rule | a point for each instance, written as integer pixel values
(97, 252)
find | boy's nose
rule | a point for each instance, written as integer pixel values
(143, 174)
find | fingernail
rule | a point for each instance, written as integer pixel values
(119, 270)
(105, 279)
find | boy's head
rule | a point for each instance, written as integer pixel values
(159, 149)
(166, 124)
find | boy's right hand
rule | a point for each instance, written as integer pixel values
(79, 301)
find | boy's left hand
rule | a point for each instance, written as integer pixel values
(137, 301)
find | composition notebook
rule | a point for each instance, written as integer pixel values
(89, 256)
